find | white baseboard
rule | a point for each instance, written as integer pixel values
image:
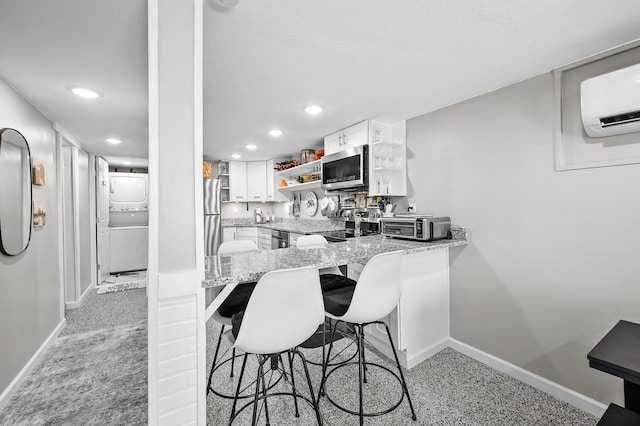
(6, 395)
(426, 353)
(567, 395)
(406, 361)
(77, 304)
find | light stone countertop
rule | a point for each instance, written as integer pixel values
(243, 267)
(301, 226)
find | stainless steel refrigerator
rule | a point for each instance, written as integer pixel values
(212, 221)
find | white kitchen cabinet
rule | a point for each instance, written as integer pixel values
(257, 181)
(223, 176)
(228, 234)
(247, 233)
(237, 181)
(264, 239)
(355, 135)
(253, 181)
(387, 157)
(293, 239)
(419, 325)
(273, 181)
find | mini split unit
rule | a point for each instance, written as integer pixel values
(610, 103)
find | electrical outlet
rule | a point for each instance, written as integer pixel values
(235, 208)
(412, 208)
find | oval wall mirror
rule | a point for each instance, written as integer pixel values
(15, 192)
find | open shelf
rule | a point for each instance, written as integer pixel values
(298, 170)
(301, 186)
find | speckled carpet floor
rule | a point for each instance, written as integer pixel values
(123, 281)
(107, 310)
(447, 389)
(95, 373)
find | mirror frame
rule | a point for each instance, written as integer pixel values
(2, 248)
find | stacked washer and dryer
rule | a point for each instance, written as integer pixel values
(128, 222)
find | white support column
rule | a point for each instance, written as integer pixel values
(177, 371)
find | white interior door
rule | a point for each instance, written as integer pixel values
(102, 217)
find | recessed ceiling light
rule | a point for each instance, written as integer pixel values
(126, 163)
(251, 147)
(275, 132)
(236, 156)
(114, 141)
(85, 93)
(313, 109)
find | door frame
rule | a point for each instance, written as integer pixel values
(64, 138)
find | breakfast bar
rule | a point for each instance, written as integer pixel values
(420, 323)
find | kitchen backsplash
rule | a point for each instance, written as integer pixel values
(279, 210)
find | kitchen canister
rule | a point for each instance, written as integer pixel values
(306, 155)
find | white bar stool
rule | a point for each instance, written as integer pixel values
(284, 310)
(236, 302)
(374, 297)
(306, 242)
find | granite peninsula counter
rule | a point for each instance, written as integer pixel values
(299, 226)
(241, 267)
(419, 325)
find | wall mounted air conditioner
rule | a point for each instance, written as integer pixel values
(610, 103)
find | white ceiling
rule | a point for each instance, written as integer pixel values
(266, 59)
(48, 46)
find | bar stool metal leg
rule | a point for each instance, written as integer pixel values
(235, 400)
(360, 374)
(264, 389)
(215, 357)
(314, 403)
(293, 383)
(233, 360)
(364, 361)
(254, 420)
(404, 383)
(325, 364)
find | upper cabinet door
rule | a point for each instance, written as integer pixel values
(256, 181)
(273, 182)
(333, 143)
(237, 181)
(356, 135)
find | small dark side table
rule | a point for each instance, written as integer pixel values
(618, 353)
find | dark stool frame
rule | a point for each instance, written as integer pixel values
(362, 377)
(261, 392)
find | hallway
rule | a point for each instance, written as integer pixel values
(96, 370)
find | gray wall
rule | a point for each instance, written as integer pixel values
(29, 287)
(553, 260)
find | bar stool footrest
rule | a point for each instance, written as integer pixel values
(357, 413)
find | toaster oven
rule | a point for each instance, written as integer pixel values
(421, 228)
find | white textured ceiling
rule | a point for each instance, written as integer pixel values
(266, 59)
(48, 46)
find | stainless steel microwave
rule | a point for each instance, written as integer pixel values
(346, 170)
